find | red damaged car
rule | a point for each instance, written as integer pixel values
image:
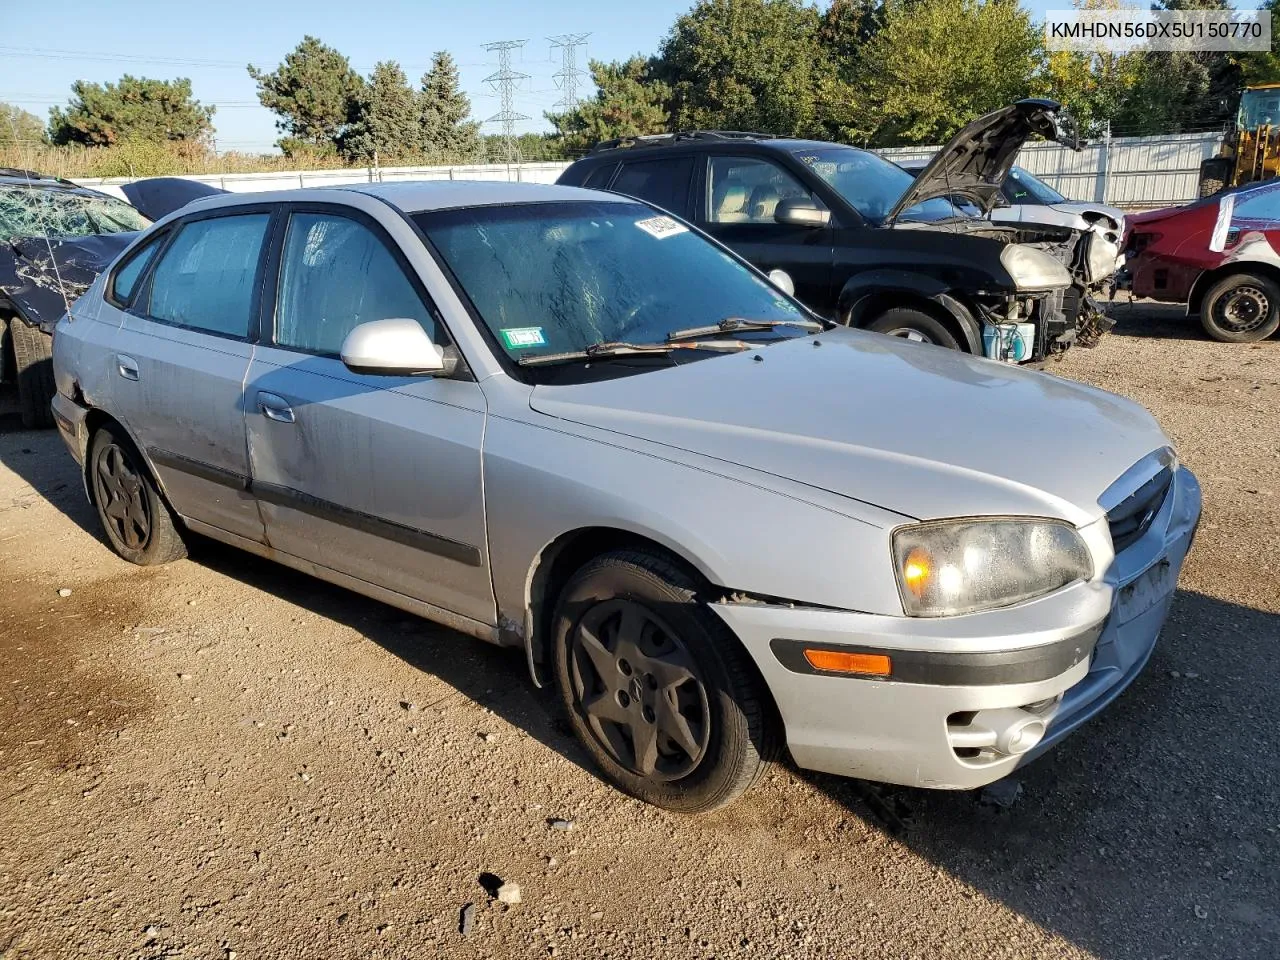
(1220, 256)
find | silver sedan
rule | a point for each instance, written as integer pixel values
(565, 422)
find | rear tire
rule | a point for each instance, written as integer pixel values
(1241, 308)
(658, 690)
(33, 369)
(1215, 174)
(138, 523)
(916, 325)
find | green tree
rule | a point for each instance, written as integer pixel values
(1258, 68)
(312, 92)
(628, 103)
(1093, 86)
(447, 127)
(20, 127)
(747, 65)
(385, 125)
(102, 114)
(936, 64)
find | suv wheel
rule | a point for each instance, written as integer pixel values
(912, 324)
(658, 690)
(137, 521)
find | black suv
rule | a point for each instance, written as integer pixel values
(864, 242)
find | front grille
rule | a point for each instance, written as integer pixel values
(1131, 517)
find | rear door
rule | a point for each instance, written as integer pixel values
(179, 360)
(737, 207)
(664, 182)
(377, 477)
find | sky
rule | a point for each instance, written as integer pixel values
(40, 56)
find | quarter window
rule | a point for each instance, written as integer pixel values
(664, 183)
(206, 279)
(127, 277)
(748, 190)
(336, 273)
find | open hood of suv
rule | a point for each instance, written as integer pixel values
(978, 158)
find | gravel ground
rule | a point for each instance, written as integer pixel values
(224, 759)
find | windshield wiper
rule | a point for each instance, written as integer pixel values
(609, 349)
(736, 324)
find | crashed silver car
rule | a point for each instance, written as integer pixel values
(562, 421)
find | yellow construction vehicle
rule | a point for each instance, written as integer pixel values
(1251, 148)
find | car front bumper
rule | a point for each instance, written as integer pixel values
(1059, 659)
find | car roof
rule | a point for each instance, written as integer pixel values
(741, 145)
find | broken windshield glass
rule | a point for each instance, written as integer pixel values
(26, 212)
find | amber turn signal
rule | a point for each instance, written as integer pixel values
(839, 661)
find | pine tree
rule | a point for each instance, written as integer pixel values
(311, 93)
(384, 119)
(444, 111)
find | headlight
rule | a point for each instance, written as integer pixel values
(1103, 258)
(1033, 269)
(949, 567)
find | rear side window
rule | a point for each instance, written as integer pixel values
(598, 178)
(206, 279)
(664, 183)
(336, 273)
(126, 279)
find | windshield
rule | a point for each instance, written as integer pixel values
(1022, 187)
(550, 278)
(871, 184)
(37, 212)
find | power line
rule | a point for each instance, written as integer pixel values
(568, 76)
(505, 80)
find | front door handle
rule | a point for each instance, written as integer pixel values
(127, 367)
(274, 407)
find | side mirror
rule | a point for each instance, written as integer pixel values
(800, 212)
(782, 280)
(394, 347)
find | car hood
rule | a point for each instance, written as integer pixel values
(157, 197)
(922, 431)
(974, 164)
(41, 277)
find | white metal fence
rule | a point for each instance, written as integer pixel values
(1140, 172)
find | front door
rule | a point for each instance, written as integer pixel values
(377, 477)
(179, 362)
(739, 202)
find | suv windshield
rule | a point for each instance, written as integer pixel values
(56, 212)
(871, 184)
(551, 278)
(1022, 187)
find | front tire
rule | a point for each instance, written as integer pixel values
(912, 324)
(137, 521)
(662, 695)
(33, 367)
(1241, 308)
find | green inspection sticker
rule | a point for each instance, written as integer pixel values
(518, 338)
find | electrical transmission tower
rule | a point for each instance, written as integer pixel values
(569, 76)
(505, 80)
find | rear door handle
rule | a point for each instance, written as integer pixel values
(127, 367)
(274, 407)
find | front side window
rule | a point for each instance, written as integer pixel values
(558, 277)
(206, 279)
(748, 190)
(336, 273)
(664, 183)
(871, 184)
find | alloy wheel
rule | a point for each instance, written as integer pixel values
(639, 690)
(122, 497)
(910, 333)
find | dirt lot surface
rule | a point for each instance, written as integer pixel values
(222, 758)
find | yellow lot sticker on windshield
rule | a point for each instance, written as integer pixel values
(661, 227)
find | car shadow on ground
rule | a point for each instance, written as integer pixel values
(1152, 832)
(1148, 319)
